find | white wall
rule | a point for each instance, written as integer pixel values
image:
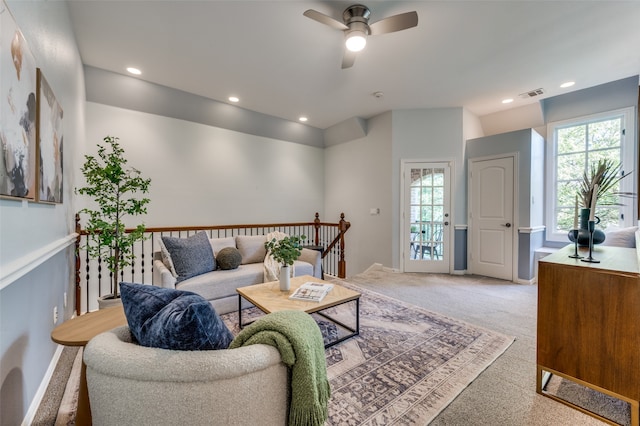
(358, 178)
(471, 125)
(203, 175)
(524, 117)
(35, 257)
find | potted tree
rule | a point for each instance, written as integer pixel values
(285, 251)
(113, 187)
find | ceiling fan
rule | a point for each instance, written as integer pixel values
(356, 27)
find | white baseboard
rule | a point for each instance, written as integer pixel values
(459, 272)
(37, 399)
(375, 267)
(525, 282)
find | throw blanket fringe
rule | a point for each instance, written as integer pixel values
(298, 338)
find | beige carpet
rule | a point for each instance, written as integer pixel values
(406, 365)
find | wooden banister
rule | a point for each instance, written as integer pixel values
(328, 235)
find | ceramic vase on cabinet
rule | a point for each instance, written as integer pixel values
(583, 230)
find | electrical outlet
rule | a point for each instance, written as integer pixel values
(55, 314)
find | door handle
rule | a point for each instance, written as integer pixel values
(508, 225)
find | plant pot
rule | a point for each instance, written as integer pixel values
(108, 301)
(285, 278)
(583, 230)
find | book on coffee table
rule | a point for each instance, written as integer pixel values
(311, 292)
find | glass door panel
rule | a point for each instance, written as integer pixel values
(427, 189)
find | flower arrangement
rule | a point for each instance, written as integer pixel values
(285, 250)
(602, 178)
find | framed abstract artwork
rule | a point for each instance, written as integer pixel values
(17, 112)
(49, 136)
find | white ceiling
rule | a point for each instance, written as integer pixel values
(468, 54)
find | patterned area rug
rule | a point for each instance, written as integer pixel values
(406, 365)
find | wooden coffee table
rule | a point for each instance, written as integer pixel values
(269, 298)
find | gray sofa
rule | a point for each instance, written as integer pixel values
(136, 385)
(219, 286)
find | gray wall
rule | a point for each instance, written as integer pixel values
(35, 254)
(605, 97)
(430, 135)
(113, 89)
(525, 143)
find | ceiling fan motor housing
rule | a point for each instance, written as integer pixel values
(356, 17)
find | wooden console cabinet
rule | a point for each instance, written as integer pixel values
(589, 323)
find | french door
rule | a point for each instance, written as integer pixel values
(426, 217)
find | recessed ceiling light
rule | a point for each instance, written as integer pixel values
(234, 99)
(303, 119)
(133, 70)
(567, 84)
(507, 101)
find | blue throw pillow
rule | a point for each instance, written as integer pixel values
(190, 256)
(172, 319)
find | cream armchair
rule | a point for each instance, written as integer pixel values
(136, 385)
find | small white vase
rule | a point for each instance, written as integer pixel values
(285, 278)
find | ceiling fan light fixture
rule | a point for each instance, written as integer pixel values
(356, 41)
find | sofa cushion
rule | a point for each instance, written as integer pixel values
(218, 244)
(223, 283)
(251, 248)
(228, 258)
(190, 256)
(620, 237)
(301, 268)
(166, 258)
(172, 319)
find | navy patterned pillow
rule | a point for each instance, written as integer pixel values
(172, 319)
(190, 256)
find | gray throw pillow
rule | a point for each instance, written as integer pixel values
(229, 258)
(190, 256)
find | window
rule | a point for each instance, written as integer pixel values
(575, 146)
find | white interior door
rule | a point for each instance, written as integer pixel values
(427, 217)
(491, 184)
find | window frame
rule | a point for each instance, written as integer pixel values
(628, 148)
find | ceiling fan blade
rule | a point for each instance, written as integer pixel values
(324, 19)
(394, 23)
(348, 58)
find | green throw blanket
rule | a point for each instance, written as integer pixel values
(298, 338)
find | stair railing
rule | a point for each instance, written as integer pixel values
(93, 279)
